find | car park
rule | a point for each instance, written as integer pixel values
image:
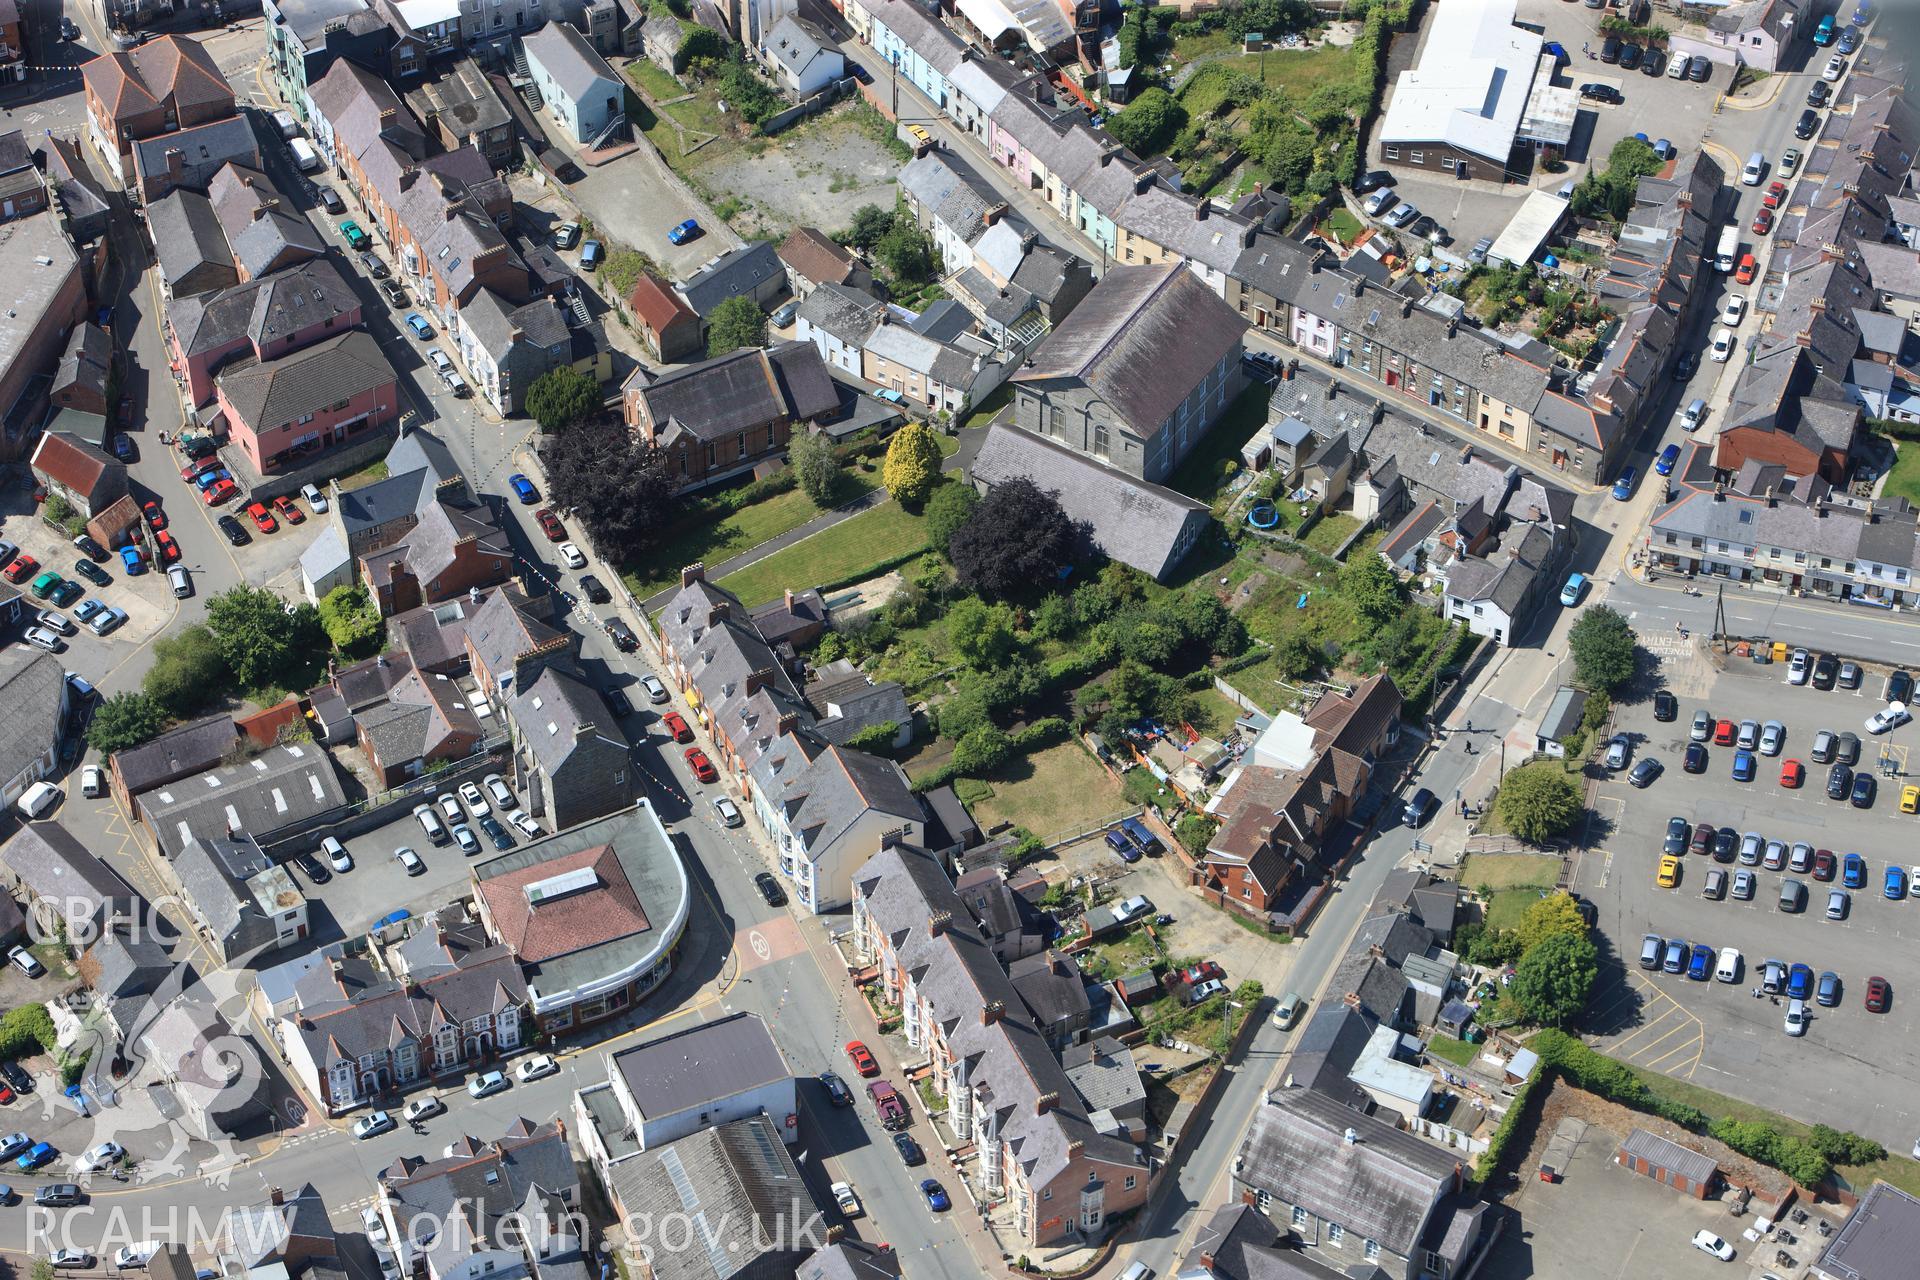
(1795, 1024)
(236, 533)
(107, 620)
(1849, 677)
(410, 861)
(1700, 962)
(336, 855)
(684, 232)
(1853, 871)
(495, 832)
(1715, 884)
(1792, 774)
(1865, 787)
(1702, 726)
(1799, 981)
(523, 823)
(465, 840)
(1879, 995)
(1894, 887)
(262, 518)
(1743, 885)
(1839, 902)
(1826, 991)
(1675, 958)
(1773, 735)
(1846, 748)
(1890, 717)
(1668, 874)
(1743, 766)
(1618, 748)
(92, 573)
(1678, 833)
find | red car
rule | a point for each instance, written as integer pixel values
(169, 549)
(1763, 222)
(1775, 194)
(262, 518)
(550, 524)
(1879, 995)
(219, 491)
(7, 1095)
(862, 1059)
(1205, 971)
(1823, 864)
(702, 767)
(289, 509)
(22, 569)
(1792, 774)
(1724, 732)
(192, 469)
(1748, 268)
(677, 726)
(156, 518)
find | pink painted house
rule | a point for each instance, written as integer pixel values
(285, 410)
(263, 319)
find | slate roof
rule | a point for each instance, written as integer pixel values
(705, 1063)
(559, 717)
(419, 449)
(1048, 983)
(203, 149)
(1142, 340)
(467, 1195)
(1104, 1074)
(566, 56)
(1132, 521)
(463, 100)
(259, 1233)
(838, 787)
(848, 700)
(1380, 1187)
(418, 718)
(1240, 1243)
(84, 363)
(264, 309)
(1325, 1050)
(271, 393)
(740, 391)
(50, 862)
(953, 196)
(188, 748)
(218, 877)
(278, 787)
(187, 239)
(274, 239)
(81, 193)
(843, 313)
(845, 1259)
(737, 1183)
(734, 273)
(357, 1010)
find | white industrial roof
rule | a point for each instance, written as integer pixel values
(1529, 228)
(1471, 85)
(1550, 109)
(421, 14)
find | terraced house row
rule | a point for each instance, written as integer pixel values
(1502, 386)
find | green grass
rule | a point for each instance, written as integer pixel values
(717, 540)
(1498, 871)
(364, 476)
(1509, 907)
(949, 445)
(1202, 473)
(656, 82)
(1903, 481)
(1332, 530)
(1458, 1052)
(1344, 225)
(869, 539)
(989, 409)
(1050, 791)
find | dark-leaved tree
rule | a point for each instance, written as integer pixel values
(1017, 539)
(619, 488)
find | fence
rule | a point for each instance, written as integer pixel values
(808, 107)
(1068, 835)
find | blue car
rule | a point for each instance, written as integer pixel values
(131, 558)
(1700, 968)
(123, 446)
(1623, 487)
(418, 323)
(1799, 982)
(1853, 871)
(1676, 957)
(207, 479)
(87, 610)
(936, 1196)
(523, 489)
(1669, 457)
(684, 232)
(1743, 766)
(1896, 883)
(35, 1156)
(1118, 842)
(393, 917)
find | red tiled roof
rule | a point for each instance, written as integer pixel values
(69, 462)
(655, 305)
(815, 257)
(574, 922)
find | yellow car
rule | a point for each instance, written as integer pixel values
(1910, 799)
(920, 135)
(1669, 872)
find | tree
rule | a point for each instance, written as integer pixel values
(1602, 645)
(812, 460)
(1017, 539)
(906, 251)
(125, 720)
(620, 488)
(188, 671)
(1538, 801)
(702, 45)
(561, 398)
(1148, 123)
(1555, 977)
(1372, 587)
(737, 322)
(984, 749)
(352, 621)
(1555, 913)
(982, 633)
(260, 640)
(912, 465)
(948, 508)
(870, 223)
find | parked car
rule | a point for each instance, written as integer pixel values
(770, 889)
(373, 1124)
(862, 1059)
(523, 489)
(684, 232)
(486, 1084)
(418, 324)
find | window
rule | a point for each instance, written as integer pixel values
(1372, 1250)
(1092, 1177)
(770, 437)
(1100, 439)
(1335, 1234)
(1053, 420)
(1446, 162)
(1393, 153)
(1247, 892)
(741, 444)
(1129, 1182)
(1416, 157)
(1299, 1216)
(1047, 1194)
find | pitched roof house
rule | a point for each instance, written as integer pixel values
(169, 85)
(45, 863)
(831, 809)
(241, 901)
(81, 380)
(812, 259)
(723, 416)
(288, 408)
(85, 476)
(667, 324)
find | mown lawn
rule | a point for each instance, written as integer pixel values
(1332, 530)
(1499, 871)
(1458, 1052)
(1202, 473)
(1048, 791)
(716, 540)
(1904, 480)
(1509, 907)
(657, 82)
(844, 551)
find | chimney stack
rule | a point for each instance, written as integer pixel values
(789, 599)
(1045, 1102)
(938, 922)
(695, 572)
(1200, 211)
(992, 1012)
(276, 1196)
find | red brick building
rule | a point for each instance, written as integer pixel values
(168, 85)
(721, 417)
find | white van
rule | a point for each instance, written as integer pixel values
(38, 799)
(1755, 170)
(305, 158)
(1729, 967)
(430, 823)
(284, 122)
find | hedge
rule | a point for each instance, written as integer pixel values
(1489, 1162)
(1041, 733)
(26, 1030)
(1419, 692)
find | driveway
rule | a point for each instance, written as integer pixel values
(636, 200)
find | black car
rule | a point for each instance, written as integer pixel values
(90, 547)
(1630, 56)
(623, 637)
(1847, 749)
(372, 265)
(1807, 125)
(859, 73)
(1819, 94)
(59, 1195)
(909, 1150)
(1864, 787)
(770, 889)
(395, 294)
(1726, 842)
(69, 29)
(92, 573)
(1683, 367)
(1849, 675)
(1899, 687)
(1372, 180)
(596, 590)
(236, 532)
(1699, 69)
(1825, 671)
(495, 832)
(1645, 772)
(18, 1076)
(618, 701)
(316, 870)
(1653, 65)
(1695, 760)
(1679, 832)
(836, 1089)
(1610, 51)
(1601, 93)
(1261, 365)
(1839, 782)
(1665, 706)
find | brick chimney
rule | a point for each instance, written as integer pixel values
(695, 572)
(757, 680)
(1046, 1102)
(789, 599)
(994, 214)
(786, 724)
(276, 1196)
(992, 1012)
(1200, 209)
(938, 922)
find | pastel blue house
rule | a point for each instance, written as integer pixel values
(919, 48)
(581, 91)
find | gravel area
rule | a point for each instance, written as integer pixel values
(815, 174)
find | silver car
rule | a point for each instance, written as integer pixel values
(1749, 734)
(1801, 859)
(1702, 726)
(1823, 745)
(1776, 855)
(1750, 846)
(1773, 736)
(1617, 748)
